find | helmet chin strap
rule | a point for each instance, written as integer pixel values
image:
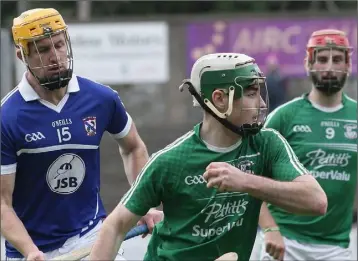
(244, 130)
(229, 109)
(56, 82)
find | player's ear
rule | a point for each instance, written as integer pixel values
(306, 64)
(18, 54)
(219, 99)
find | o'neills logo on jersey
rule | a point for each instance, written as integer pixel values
(215, 215)
(319, 158)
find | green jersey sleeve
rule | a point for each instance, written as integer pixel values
(274, 120)
(282, 160)
(147, 190)
(279, 119)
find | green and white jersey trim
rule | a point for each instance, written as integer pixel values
(337, 146)
(327, 109)
(349, 98)
(171, 146)
(281, 107)
(341, 120)
(292, 156)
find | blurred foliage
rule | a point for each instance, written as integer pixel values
(122, 8)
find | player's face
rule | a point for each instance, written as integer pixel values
(330, 64)
(48, 56)
(251, 108)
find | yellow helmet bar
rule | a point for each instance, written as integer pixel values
(31, 24)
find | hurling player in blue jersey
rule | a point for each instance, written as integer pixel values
(51, 127)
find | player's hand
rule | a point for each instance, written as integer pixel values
(275, 245)
(224, 177)
(36, 256)
(150, 219)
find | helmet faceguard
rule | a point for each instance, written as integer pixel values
(326, 77)
(234, 74)
(37, 25)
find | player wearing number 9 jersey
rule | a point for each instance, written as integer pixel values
(321, 128)
(51, 127)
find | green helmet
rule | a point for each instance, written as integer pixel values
(233, 73)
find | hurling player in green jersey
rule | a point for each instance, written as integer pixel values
(212, 180)
(321, 127)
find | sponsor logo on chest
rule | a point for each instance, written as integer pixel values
(320, 158)
(216, 215)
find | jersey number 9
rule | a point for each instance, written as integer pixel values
(330, 133)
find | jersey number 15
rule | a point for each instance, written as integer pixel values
(63, 134)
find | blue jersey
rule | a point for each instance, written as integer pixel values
(54, 150)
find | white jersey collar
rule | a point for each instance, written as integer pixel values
(327, 109)
(222, 149)
(29, 94)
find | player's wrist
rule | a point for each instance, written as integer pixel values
(30, 248)
(271, 229)
(250, 183)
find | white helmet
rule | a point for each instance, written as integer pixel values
(227, 71)
(215, 62)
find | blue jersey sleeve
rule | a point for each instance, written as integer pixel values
(120, 121)
(8, 148)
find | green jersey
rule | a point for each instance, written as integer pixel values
(201, 223)
(325, 142)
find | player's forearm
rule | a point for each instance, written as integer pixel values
(265, 219)
(112, 233)
(15, 232)
(107, 243)
(299, 197)
(134, 161)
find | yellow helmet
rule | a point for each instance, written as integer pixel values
(36, 23)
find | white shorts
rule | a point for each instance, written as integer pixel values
(302, 251)
(76, 242)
